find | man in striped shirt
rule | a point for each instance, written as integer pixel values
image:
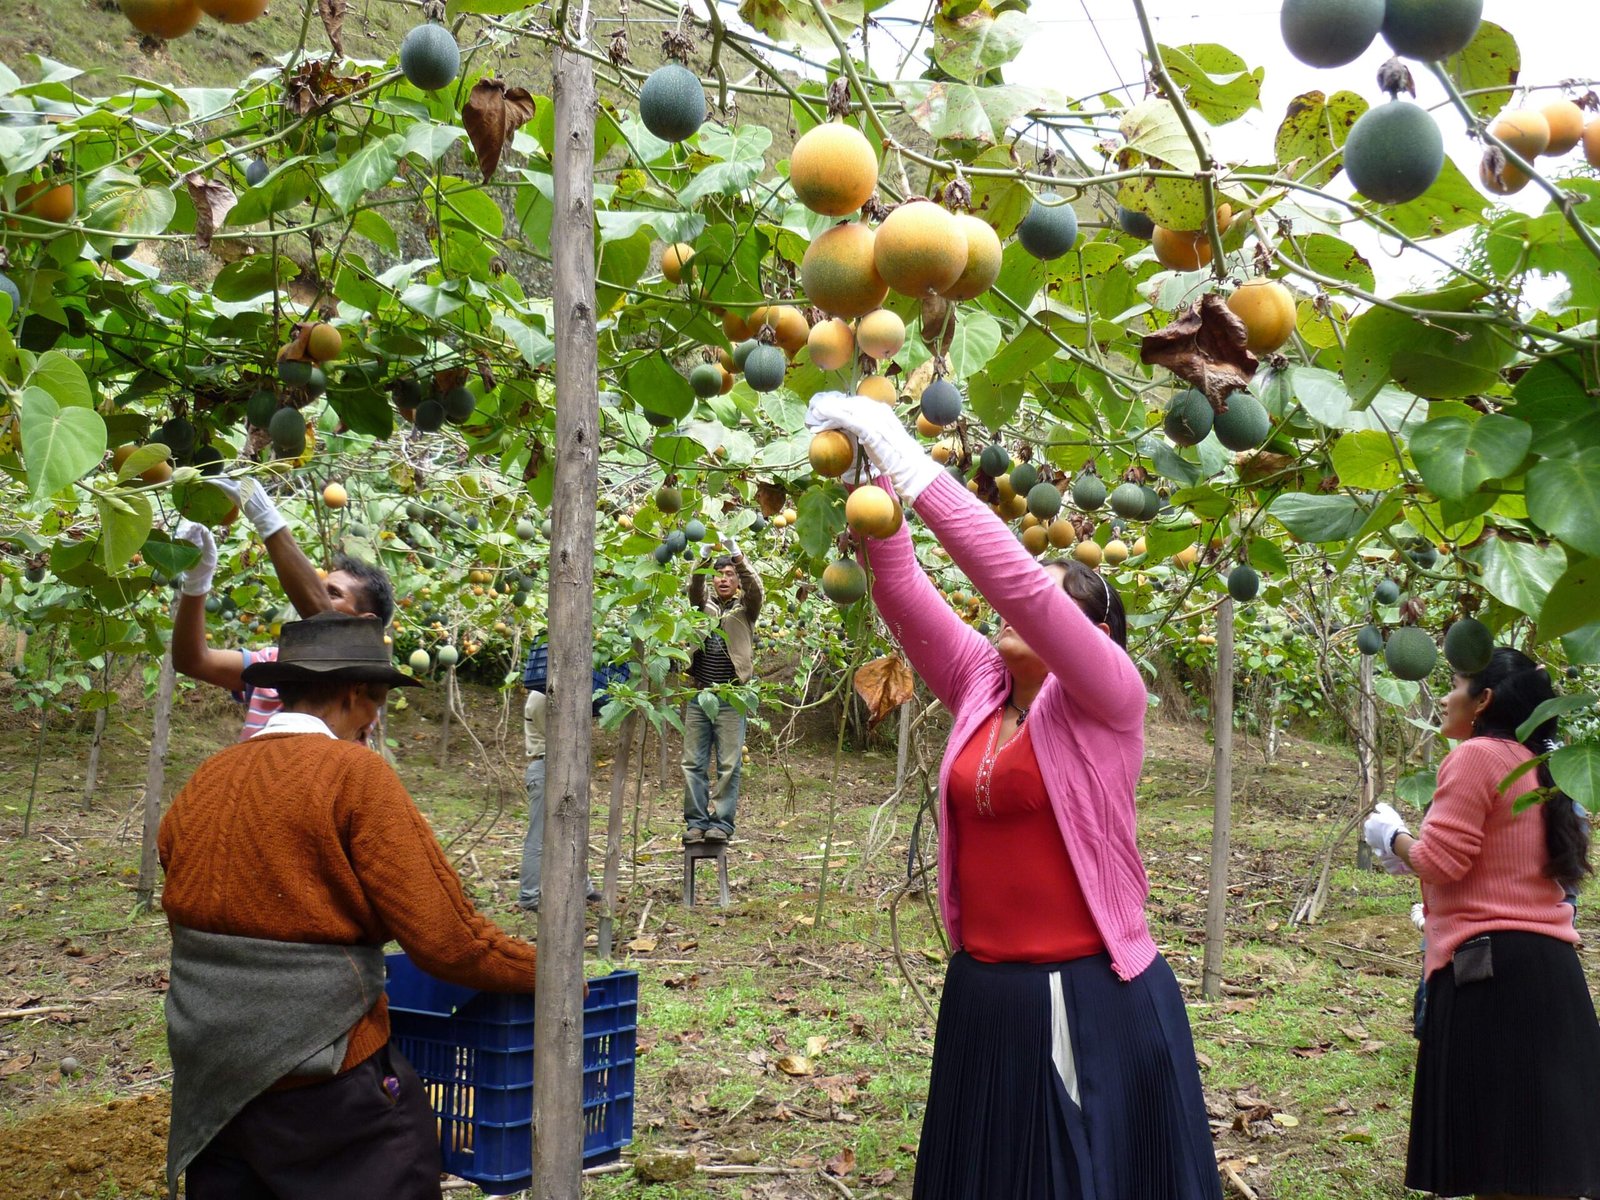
(354, 587)
(727, 656)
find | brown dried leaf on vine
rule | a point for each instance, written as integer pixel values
(296, 349)
(211, 204)
(1394, 77)
(485, 370)
(1412, 610)
(492, 113)
(958, 195)
(535, 461)
(938, 324)
(1204, 347)
(839, 98)
(884, 684)
(676, 45)
(450, 377)
(771, 497)
(316, 85)
(332, 13)
(617, 52)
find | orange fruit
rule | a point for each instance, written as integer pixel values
(831, 453)
(162, 18)
(674, 259)
(734, 327)
(881, 334)
(1591, 142)
(838, 272)
(833, 169)
(1188, 250)
(983, 259)
(157, 472)
(122, 454)
(233, 12)
(1062, 534)
(334, 495)
(1511, 179)
(877, 387)
(832, 344)
(788, 324)
(1267, 309)
(871, 512)
(921, 249)
(1035, 539)
(47, 201)
(1088, 553)
(1524, 130)
(324, 342)
(1566, 126)
(929, 430)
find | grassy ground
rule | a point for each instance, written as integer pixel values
(771, 1049)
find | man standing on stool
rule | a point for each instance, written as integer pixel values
(727, 656)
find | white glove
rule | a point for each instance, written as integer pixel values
(1419, 917)
(732, 547)
(196, 581)
(254, 503)
(888, 443)
(1381, 828)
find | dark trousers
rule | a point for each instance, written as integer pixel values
(336, 1140)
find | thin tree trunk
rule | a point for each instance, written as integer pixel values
(91, 772)
(1366, 752)
(444, 726)
(155, 783)
(558, 1008)
(614, 818)
(1222, 811)
(38, 751)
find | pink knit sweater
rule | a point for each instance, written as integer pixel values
(1482, 865)
(1087, 721)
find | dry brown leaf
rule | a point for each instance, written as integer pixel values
(772, 498)
(642, 945)
(815, 1045)
(842, 1164)
(492, 113)
(332, 12)
(794, 1064)
(20, 1063)
(211, 204)
(316, 85)
(298, 348)
(1205, 347)
(884, 684)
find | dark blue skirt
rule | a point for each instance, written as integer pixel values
(1058, 1081)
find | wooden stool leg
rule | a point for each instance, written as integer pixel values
(688, 879)
(722, 875)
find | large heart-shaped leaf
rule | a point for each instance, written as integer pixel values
(1216, 82)
(1519, 573)
(1576, 770)
(125, 523)
(59, 445)
(1564, 498)
(1314, 127)
(1457, 456)
(369, 168)
(1573, 601)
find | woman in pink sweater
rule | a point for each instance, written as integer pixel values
(1505, 1101)
(1063, 1067)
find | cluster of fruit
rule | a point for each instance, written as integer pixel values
(1552, 130)
(1409, 651)
(174, 18)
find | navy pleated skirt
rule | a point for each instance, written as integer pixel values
(1061, 1082)
(1507, 1093)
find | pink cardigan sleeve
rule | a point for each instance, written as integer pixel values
(1452, 833)
(1096, 675)
(944, 650)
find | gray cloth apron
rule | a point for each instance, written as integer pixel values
(244, 1012)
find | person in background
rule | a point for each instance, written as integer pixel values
(726, 656)
(290, 860)
(1063, 1065)
(1504, 1102)
(354, 587)
(535, 677)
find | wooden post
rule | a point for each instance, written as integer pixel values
(619, 804)
(1222, 811)
(155, 779)
(902, 758)
(1366, 752)
(558, 1010)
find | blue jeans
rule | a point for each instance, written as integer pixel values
(704, 808)
(533, 842)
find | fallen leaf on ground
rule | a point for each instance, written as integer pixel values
(794, 1064)
(841, 1164)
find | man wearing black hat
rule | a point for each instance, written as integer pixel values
(290, 860)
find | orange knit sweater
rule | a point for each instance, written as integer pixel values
(300, 838)
(1481, 864)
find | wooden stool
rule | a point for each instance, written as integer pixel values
(693, 852)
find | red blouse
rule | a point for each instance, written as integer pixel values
(1020, 897)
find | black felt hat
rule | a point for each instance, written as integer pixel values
(330, 647)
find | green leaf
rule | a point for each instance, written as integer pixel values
(1402, 693)
(287, 186)
(821, 513)
(1456, 457)
(1155, 137)
(117, 202)
(141, 460)
(1318, 518)
(1582, 646)
(1416, 789)
(1519, 573)
(992, 402)
(363, 409)
(251, 277)
(792, 22)
(1576, 771)
(536, 349)
(1337, 259)
(1487, 69)
(1366, 459)
(669, 226)
(369, 168)
(654, 385)
(1266, 556)
(1314, 127)
(1441, 360)
(1452, 203)
(1556, 706)
(488, 8)
(63, 379)
(1573, 601)
(430, 141)
(125, 523)
(959, 112)
(971, 45)
(431, 299)
(1215, 81)
(1554, 397)
(1564, 498)
(976, 339)
(709, 704)
(59, 445)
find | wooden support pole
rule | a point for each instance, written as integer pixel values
(155, 780)
(558, 1010)
(1222, 810)
(1366, 752)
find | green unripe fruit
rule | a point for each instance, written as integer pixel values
(1088, 492)
(1023, 478)
(995, 460)
(1243, 583)
(742, 352)
(213, 604)
(1127, 500)
(208, 459)
(1424, 554)
(295, 372)
(1189, 418)
(176, 435)
(416, 511)
(675, 542)
(844, 582)
(256, 172)
(672, 104)
(430, 57)
(1369, 640)
(1394, 152)
(430, 416)
(1044, 501)
(668, 499)
(1410, 653)
(8, 288)
(459, 404)
(941, 402)
(1329, 33)
(1135, 223)
(661, 554)
(259, 408)
(1152, 503)
(526, 530)
(545, 527)
(407, 393)
(1431, 29)
(1387, 592)
(706, 380)
(420, 662)
(448, 656)
(287, 429)
(764, 367)
(1468, 646)
(694, 529)
(1049, 230)
(34, 574)
(1245, 425)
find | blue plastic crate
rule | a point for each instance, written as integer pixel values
(474, 1052)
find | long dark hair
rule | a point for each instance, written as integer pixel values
(1519, 685)
(1097, 598)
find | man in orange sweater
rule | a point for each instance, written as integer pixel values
(290, 860)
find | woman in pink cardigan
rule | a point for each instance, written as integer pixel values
(1063, 1067)
(1505, 1102)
